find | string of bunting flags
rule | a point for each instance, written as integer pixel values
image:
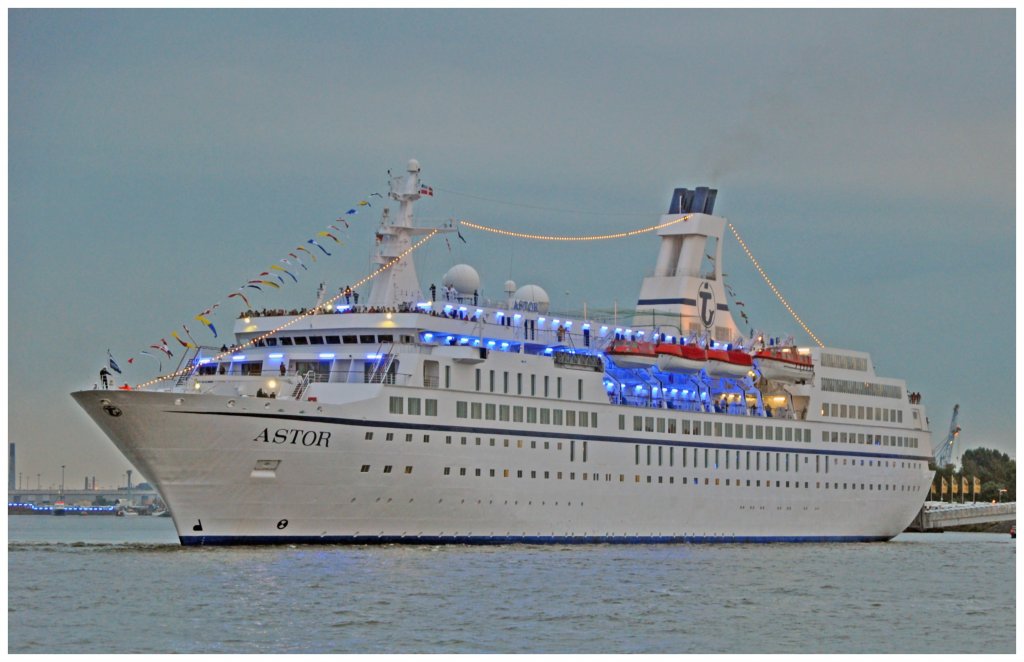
(271, 278)
(299, 318)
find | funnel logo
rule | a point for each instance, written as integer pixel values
(706, 304)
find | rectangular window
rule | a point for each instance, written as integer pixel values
(622, 421)
(707, 428)
(638, 423)
(648, 456)
(585, 456)
(478, 379)
(490, 411)
(570, 417)
(369, 436)
(545, 416)
(475, 410)
(759, 430)
(671, 426)
(572, 450)
(579, 389)
(659, 456)
(519, 383)
(461, 409)
(447, 377)
(503, 413)
(661, 424)
(365, 468)
(414, 406)
(395, 404)
(490, 381)
(431, 407)
(558, 383)
(546, 394)
(531, 414)
(504, 382)
(533, 384)
(584, 419)
(557, 417)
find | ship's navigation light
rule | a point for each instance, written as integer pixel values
(238, 357)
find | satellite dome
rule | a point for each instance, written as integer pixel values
(510, 287)
(531, 297)
(414, 165)
(463, 278)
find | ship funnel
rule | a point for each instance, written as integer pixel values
(699, 201)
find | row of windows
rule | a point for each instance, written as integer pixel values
(688, 456)
(515, 413)
(834, 410)
(861, 388)
(387, 469)
(365, 339)
(845, 362)
(717, 429)
(870, 439)
(506, 384)
(751, 460)
(396, 405)
(683, 480)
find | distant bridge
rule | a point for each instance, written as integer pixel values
(934, 515)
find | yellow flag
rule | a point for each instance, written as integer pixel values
(945, 487)
(956, 486)
(933, 489)
(977, 485)
(964, 484)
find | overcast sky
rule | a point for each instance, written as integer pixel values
(159, 159)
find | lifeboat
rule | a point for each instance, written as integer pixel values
(681, 359)
(630, 354)
(728, 363)
(784, 365)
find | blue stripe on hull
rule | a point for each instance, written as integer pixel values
(192, 541)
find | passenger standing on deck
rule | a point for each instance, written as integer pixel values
(105, 377)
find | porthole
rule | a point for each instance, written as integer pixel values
(231, 403)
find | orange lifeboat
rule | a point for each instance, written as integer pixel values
(784, 364)
(631, 354)
(728, 363)
(681, 359)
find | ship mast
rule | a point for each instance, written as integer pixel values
(394, 236)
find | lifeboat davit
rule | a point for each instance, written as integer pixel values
(681, 359)
(631, 354)
(784, 365)
(728, 363)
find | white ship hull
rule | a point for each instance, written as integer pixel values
(212, 464)
(470, 420)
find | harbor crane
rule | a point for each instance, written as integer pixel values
(944, 453)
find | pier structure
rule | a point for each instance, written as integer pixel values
(935, 516)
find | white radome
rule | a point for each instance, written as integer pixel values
(463, 278)
(533, 294)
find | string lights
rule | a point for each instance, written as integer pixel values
(618, 235)
(298, 318)
(768, 280)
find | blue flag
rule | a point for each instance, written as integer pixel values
(113, 364)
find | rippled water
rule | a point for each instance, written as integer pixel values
(103, 584)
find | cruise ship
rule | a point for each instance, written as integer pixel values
(440, 416)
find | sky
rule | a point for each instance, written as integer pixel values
(160, 159)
